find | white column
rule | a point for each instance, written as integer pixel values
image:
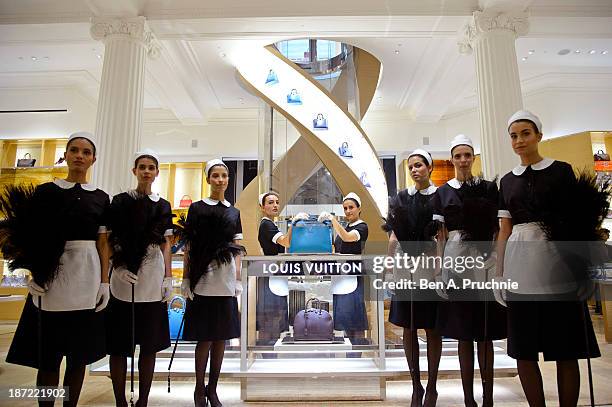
(491, 35)
(127, 41)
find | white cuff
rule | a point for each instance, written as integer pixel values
(276, 237)
(169, 232)
(356, 233)
(238, 236)
(502, 213)
(102, 229)
(439, 218)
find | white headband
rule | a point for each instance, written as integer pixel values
(212, 163)
(354, 197)
(525, 115)
(83, 134)
(461, 140)
(146, 152)
(422, 153)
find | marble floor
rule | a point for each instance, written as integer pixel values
(97, 389)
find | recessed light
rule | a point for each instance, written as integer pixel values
(577, 51)
(21, 58)
(46, 58)
(99, 56)
(34, 58)
(591, 52)
(524, 58)
(563, 52)
(531, 51)
(604, 52)
(397, 52)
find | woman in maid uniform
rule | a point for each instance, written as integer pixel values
(466, 208)
(409, 225)
(140, 225)
(69, 266)
(349, 303)
(542, 203)
(211, 279)
(272, 308)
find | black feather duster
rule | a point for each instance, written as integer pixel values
(209, 237)
(31, 234)
(574, 221)
(136, 223)
(478, 221)
(410, 219)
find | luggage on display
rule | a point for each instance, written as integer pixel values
(175, 316)
(297, 302)
(310, 236)
(313, 324)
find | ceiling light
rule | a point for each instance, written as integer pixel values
(577, 51)
(21, 58)
(591, 52)
(99, 56)
(531, 51)
(604, 52)
(34, 58)
(524, 58)
(397, 52)
(563, 52)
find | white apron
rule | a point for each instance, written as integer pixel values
(150, 278)
(78, 279)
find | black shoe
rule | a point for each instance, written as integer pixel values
(200, 401)
(214, 402)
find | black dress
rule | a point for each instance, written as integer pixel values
(272, 310)
(213, 314)
(150, 312)
(70, 325)
(538, 315)
(349, 309)
(414, 302)
(462, 318)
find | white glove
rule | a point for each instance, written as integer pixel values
(300, 216)
(441, 291)
(103, 296)
(186, 289)
(238, 288)
(35, 289)
(126, 276)
(500, 295)
(325, 216)
(166, 289)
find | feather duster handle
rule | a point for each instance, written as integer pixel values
(31, 234)
(209, 237)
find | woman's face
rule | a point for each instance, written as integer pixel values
(79, 155)
(419, 171)
(524, 138)
(145, 171)
(271, 206)
(351, 210)
(462, 158)
(218, 178)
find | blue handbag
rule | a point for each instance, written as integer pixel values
(175, 316)
(310, 236)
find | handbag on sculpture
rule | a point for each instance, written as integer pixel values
(313, 324)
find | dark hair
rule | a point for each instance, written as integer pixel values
(267, 194)
(93, 146)
(424, 161)
(146, 156)
(351, 199)
(535, 127)
(217, 165)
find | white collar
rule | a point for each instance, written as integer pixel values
(153, 197)
(62, 183)
(214, 202)
(266, 218)
(455, 183)
(427, 191)
(540, 165)
(357, 222)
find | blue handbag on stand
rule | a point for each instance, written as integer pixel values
(175, 316)
(310, 236)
